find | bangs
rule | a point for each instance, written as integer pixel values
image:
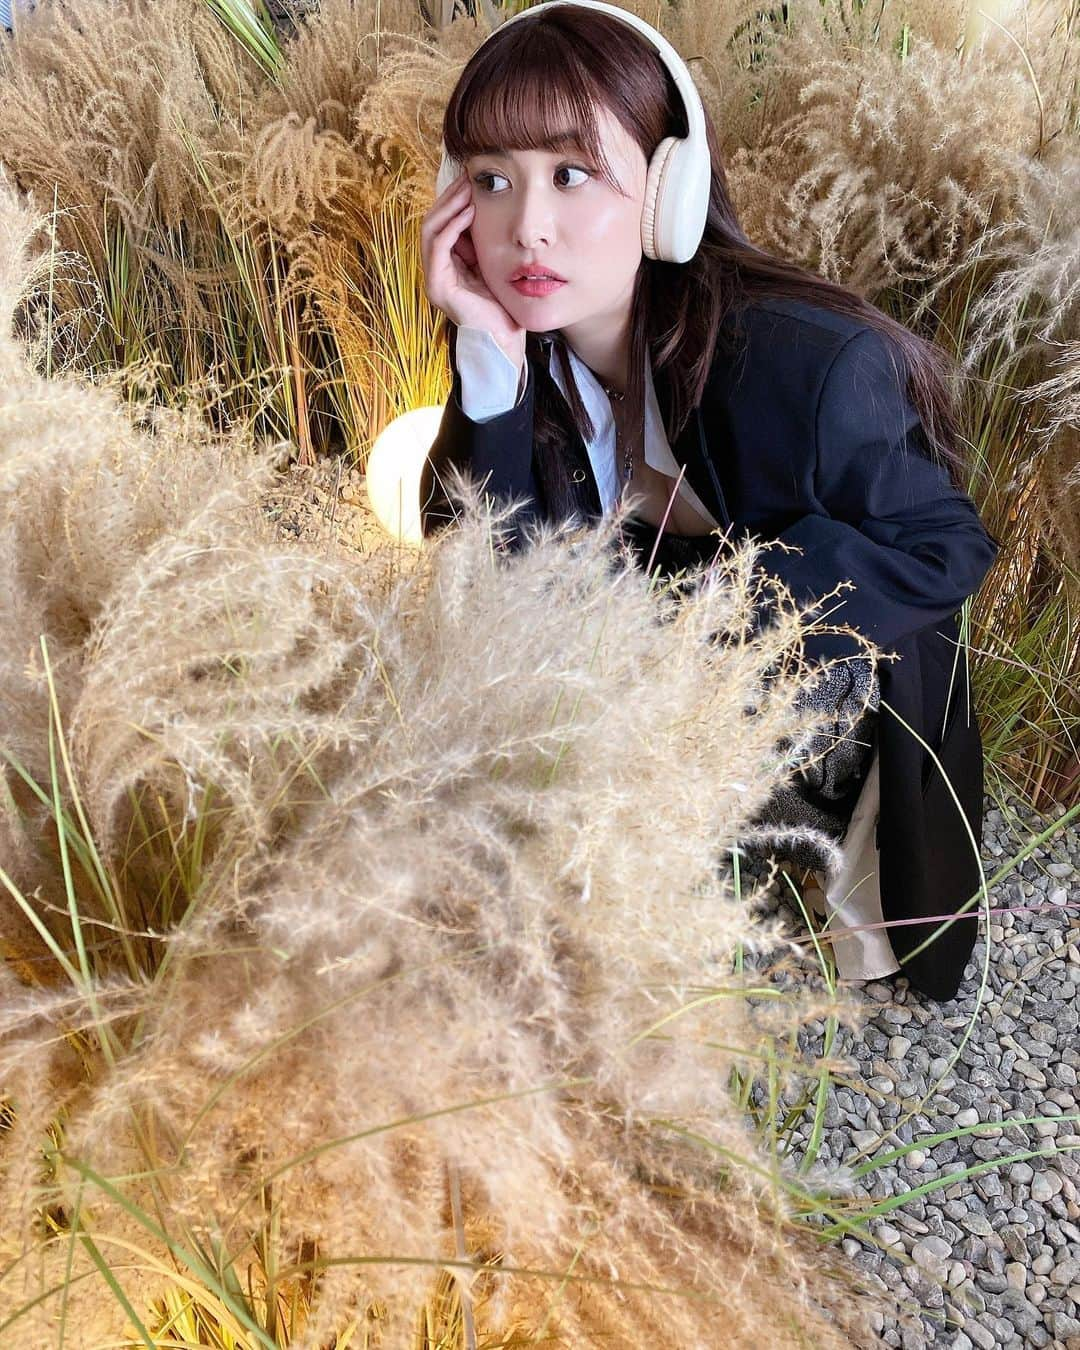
(533, 97)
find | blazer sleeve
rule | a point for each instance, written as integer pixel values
(496, 451)
(890, 519)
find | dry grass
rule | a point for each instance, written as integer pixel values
(350, 874)
(448, 803)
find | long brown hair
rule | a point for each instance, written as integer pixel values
(542, 79)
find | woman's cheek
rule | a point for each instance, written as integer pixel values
(607, 229)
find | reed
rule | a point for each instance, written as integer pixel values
(338, 935)
(246, 213)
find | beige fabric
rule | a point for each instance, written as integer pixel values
(852, 893)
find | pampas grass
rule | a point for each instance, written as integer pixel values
(366, 920)
(369, 971)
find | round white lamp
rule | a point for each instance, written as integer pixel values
(395, 462)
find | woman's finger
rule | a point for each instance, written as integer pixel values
(446, 242)
(445, 207)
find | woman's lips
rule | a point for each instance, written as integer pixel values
(524, 286)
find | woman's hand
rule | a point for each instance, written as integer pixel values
(452, 280)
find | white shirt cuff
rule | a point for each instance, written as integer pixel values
(490, 382)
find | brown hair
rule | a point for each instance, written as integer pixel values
(542, 80)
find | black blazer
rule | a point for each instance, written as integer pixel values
(805, 435)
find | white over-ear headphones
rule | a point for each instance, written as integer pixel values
(680, 170)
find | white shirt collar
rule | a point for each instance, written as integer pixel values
(658, 453)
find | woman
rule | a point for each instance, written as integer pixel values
(799, 412)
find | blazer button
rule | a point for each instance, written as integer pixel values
(578, 475)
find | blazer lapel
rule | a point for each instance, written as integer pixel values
(692, 453)
(576, 456)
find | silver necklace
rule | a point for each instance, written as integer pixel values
(628, 450)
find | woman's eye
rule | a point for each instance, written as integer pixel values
(563, 168)
(480, 178)
(574, 168)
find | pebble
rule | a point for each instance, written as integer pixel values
(931, 1254)
(991, 1260)
(1045, 1186)
(1065, 1272)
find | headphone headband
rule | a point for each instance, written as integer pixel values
(679, 72)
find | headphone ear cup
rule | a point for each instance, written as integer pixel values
(676, 201)
(654, 184)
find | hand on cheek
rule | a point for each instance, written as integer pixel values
(465, 249)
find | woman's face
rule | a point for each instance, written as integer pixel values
(555, 210)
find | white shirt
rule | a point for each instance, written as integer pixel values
(490, 386)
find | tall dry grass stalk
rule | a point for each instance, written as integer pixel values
(363, 916)
(868, 143)
(189, 178)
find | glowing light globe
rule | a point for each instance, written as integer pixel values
(394, 465)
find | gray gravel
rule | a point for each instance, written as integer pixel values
(993, 1260)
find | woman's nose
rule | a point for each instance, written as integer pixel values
(533, 223)
(530, 236)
